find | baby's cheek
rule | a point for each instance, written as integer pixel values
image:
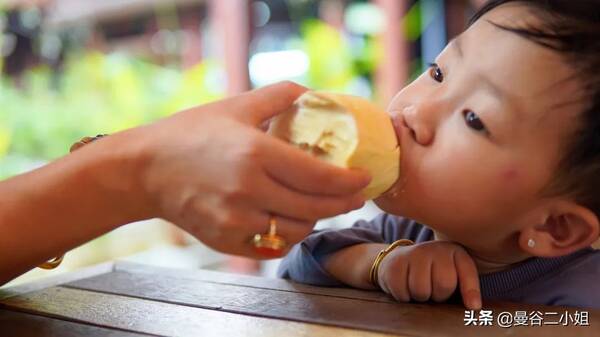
(509, 175)
(509, 181)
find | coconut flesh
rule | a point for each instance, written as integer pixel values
(346, 131)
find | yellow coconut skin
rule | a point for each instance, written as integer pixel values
(346, 131)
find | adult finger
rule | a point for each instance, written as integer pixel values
(298, 170)
(278, 199)
(468, 280)
(256, 106)
(291, 230)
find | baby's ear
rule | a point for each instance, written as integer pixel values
(567, 228)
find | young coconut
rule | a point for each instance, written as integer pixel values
(346, 131)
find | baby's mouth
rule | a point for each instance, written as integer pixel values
(398, 123)
(399, 128)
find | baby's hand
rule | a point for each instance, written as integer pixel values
(430, 270)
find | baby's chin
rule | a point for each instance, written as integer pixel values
(392, 204)
(399, 204)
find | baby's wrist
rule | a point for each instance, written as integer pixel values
(374, 271)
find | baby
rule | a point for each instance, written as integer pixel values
(500, 170)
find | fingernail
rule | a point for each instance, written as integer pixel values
(476, 304)
(474, 299)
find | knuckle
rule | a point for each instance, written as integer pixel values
(251, 150)
(238, 189)
(229, 219)
(234, 193)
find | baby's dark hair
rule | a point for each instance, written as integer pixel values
(571, 28)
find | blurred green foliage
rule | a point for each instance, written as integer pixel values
(330, 67)
(103, 93)
(334, 62)
(96, 93)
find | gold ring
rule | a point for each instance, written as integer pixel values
(270, 244)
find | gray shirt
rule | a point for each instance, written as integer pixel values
(569, 280)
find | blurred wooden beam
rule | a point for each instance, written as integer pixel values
(192, 51)
(393, 70)
(10, 4)
(65, 13)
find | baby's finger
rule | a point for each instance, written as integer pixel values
(468, 280)
(419, 280)
(397, 283)
(444, 279)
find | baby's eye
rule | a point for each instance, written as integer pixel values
(436, 72)
(473, 121)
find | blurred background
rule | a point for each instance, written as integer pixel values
(72, 68)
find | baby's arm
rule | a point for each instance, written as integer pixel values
(304, 262)
(428, 270)
(344, 257)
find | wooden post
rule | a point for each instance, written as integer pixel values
(192, 51)
(231, 20)
(392, 71)
(332, 13)
(456, 18)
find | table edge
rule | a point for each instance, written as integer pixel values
(47, 282)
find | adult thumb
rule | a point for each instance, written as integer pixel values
(262, 104)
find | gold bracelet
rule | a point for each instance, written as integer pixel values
(55, 262)
(373, 273)
(52, 263)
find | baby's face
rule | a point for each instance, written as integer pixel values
(481, 132)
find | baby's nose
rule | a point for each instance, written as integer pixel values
(416, 121)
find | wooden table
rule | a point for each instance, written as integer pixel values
(125, 299)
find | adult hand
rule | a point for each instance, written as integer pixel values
(212, 171)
